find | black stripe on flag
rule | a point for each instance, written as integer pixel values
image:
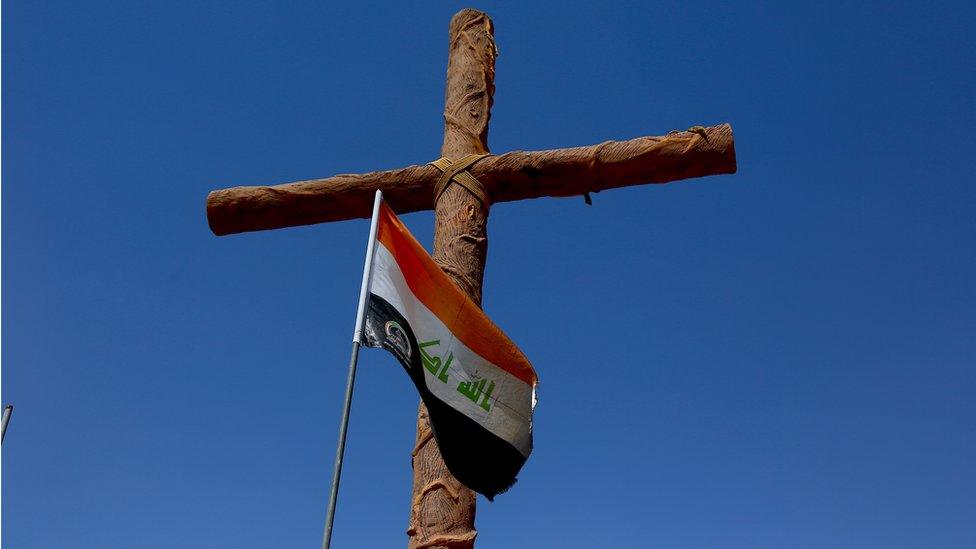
(479, 459)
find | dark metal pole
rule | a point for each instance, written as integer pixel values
(7, 412)
(357, 335)
(334, 495)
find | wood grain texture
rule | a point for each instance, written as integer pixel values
(443, 510)
(507, 177)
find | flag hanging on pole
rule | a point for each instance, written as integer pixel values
(478, 387)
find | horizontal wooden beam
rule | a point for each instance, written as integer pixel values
(512, 176)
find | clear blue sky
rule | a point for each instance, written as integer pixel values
(785, 357)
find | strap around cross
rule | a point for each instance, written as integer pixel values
(457, 172)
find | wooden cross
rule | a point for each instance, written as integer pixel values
(442, 510)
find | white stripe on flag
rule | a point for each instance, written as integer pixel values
(513, 399)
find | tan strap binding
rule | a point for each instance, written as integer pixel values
(457, 172)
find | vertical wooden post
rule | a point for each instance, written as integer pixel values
(442, 510)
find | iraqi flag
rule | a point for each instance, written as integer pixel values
(478, 387)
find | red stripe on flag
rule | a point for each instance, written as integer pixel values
(438, 293)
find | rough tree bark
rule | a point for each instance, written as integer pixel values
(442, 510)
(511, 176)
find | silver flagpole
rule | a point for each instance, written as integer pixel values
(7, 412)
(356, 338)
